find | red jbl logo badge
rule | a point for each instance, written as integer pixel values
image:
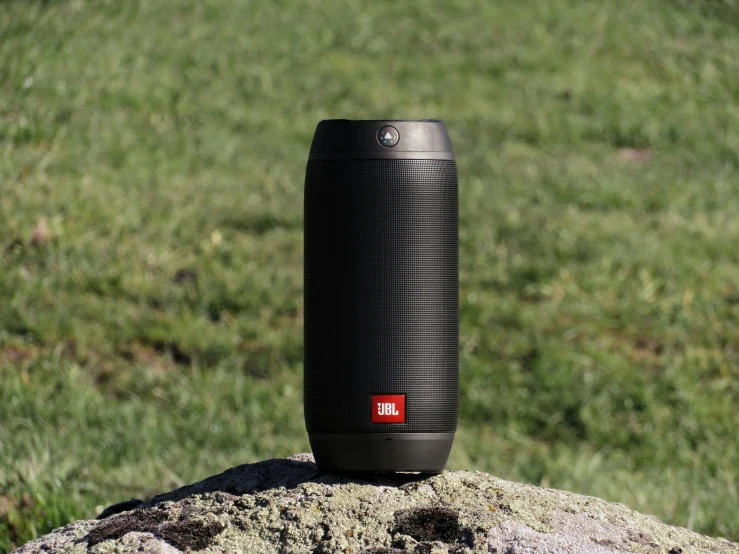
(388, 408)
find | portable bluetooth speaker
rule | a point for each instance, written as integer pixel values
(381, 296)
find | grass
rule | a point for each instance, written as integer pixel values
(151, 335)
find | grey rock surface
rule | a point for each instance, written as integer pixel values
(286, 506)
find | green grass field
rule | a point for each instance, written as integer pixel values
(151, 334)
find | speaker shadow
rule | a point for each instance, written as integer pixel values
(262, 476)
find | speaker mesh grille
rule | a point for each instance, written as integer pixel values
(381, 293)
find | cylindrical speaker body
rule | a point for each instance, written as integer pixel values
(381, 273)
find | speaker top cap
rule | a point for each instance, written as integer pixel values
(381, 138)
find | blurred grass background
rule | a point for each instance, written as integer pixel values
(151, 172)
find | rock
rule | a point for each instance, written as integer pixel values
(286, 506)
(124, 506)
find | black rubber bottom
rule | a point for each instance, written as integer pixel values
(353, 453)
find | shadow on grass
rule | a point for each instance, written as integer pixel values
(722, 10)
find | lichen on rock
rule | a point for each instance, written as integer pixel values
(287, 506)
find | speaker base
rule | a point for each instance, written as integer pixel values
(352, 453)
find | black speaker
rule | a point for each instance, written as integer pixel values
(381, 350)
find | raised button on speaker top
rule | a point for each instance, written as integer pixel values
(388, 136)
